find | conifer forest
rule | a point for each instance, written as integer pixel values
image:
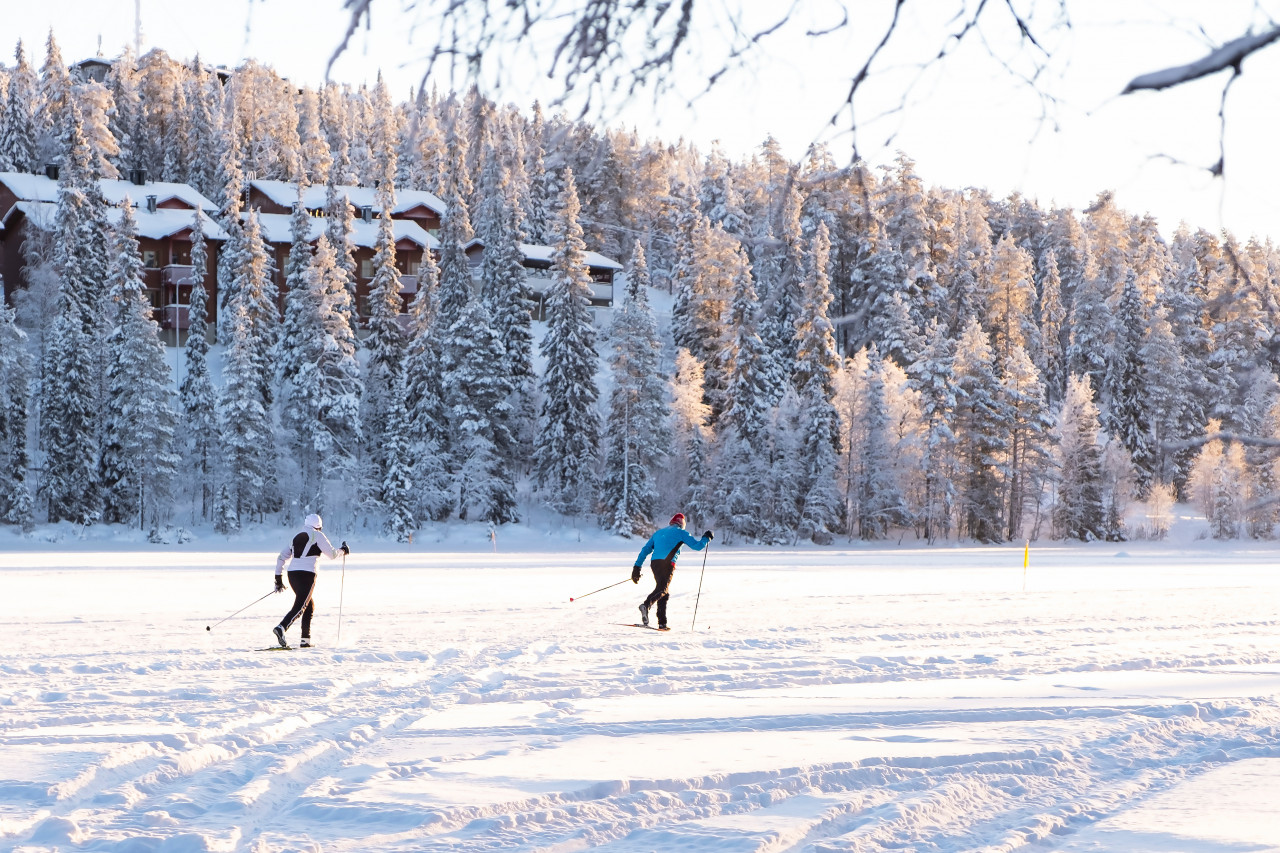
(797, 351)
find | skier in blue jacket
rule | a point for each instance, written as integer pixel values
(666, 542)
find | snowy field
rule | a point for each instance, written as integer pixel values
(856, 699)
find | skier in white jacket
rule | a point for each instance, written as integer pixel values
(301, 555)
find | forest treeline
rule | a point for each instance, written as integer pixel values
(848, 352)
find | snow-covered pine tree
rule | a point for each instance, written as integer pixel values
(881, 502)
(386, 346)
(1079, 508)
(199, 401)
(1028, 462)
(503, 284)
(427, 433)
(17, 123)
(247, 445)
(1010, 291)
(16, 504)
(981, 439)
(56, 98)
(743, 427)
(322, 406)
(690, 489)
(69, 427)
(1052, 355)
(637, 437)
(816, 364)
(1125, 415)
(455, 233)
(566, 459)
(291, 348)
(139, 458)
(339, 228)
(932, 376)
(205, 98)
(479, 409)
(255, 287)
(315, 157)
(397, 488)
(1165, 386)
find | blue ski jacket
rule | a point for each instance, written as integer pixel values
(668, 540)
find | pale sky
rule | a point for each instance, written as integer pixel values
(965, 124)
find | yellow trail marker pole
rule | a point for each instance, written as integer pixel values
(1026, 558)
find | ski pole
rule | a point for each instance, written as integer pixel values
(238, 612)
(700, 577)
(601, 589)
(342, 586)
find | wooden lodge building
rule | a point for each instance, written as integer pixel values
(164, 213)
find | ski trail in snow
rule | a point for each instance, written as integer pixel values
(956, 722)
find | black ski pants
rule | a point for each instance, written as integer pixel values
(662, 572)
(302, 584)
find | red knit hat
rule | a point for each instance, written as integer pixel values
(678, 518)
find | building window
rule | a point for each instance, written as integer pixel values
(150, 259)
(366, 268)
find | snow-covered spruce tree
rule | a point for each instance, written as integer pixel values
(399, 503)
(1078, 514)
(322, 403)
(1125, 414)
(1028, 461)
(981, 440)
(743, 428)
(880, 501)
(139, 459)
(69, 427)
(339, 226)
(248, 329)
(1010, 292)
(386, 346)
(199, 401)
(1218, 483)
(932, 376)
(689, 486)
(566, 458)
(1165, 383)
(455, 233)
(16, 505)
(816, 364)
(637, 438)
(294, 334)
(480, 412)
(245, 425)
(17, 122)
(428, 433)
(508, 300)
(1052, 355)
(231, 202)
(56, 99)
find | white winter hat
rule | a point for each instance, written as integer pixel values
(313, 520)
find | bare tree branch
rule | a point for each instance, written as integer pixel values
(1230, 55)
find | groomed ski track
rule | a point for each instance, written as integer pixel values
(830, 705)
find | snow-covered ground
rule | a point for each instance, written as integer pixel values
(843, 699)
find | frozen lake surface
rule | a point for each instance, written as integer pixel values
(860, 699)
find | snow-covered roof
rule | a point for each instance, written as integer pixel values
(30, 187)
(276, 228)
(285, 193)
(154, 226)
(532, 252)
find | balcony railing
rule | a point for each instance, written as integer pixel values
(182, 275)
(408, 284)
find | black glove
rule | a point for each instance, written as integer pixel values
(279, 583)
(708, 535)
(635, 574)
(343, 548)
